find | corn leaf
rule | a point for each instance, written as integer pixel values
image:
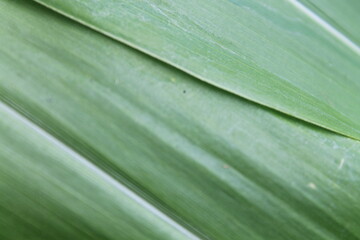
(342, 15)
(281, 54)
(100, 141)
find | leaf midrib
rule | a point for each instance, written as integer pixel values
(326, 26)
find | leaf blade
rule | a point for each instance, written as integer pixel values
(220, 163)
(258, 51)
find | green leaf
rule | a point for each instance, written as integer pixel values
(99, 141)
(48, 191)
(280, 54)
(342, 15)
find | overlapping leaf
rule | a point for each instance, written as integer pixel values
(277, 53)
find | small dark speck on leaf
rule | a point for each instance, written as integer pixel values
(184, 91)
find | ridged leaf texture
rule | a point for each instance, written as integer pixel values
(178, 120)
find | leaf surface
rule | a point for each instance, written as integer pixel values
(281, 54)
(101, 141)
(342, 15)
